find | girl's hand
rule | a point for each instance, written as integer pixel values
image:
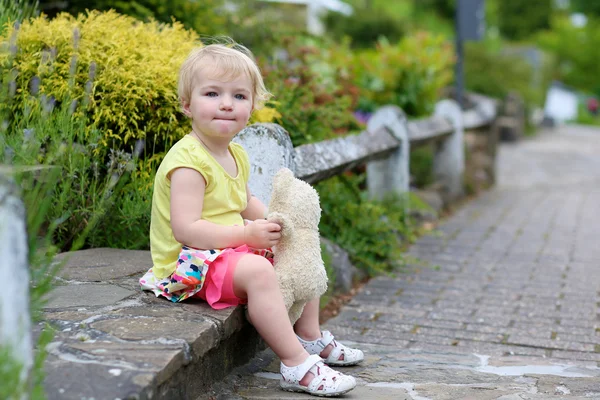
(262, 234)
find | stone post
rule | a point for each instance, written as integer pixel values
(391, 174)
(15, 320)
(449, 161)
(269, 148)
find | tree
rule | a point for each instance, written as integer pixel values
(588, 7)
(520, 19)
(443, 8)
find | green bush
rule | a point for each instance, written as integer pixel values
(64, 193)
(365, 26)
(64, 201)
(519, 20)
(577, 61)
(495, 73)
(325, 297)
(12, 387)
(445, 9)
(125, 71)
(16, 10)
(421, 165)
(84, 187)
(260, 27)
(309, 93)
(371, 231)
(205, 17)
(126, 224)
(410, 74)
(585, 117)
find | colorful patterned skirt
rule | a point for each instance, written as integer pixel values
(207, 274)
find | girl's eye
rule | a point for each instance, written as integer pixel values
(240, 97)
(211, 94)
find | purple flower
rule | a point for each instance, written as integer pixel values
(139, 147)
(362, 116)
(76, 37)
(34, 85)
(92, 73)
(73, 67)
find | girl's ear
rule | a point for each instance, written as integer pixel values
(185, 106)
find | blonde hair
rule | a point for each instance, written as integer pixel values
(227, 61)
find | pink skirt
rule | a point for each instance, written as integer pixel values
(207, 274)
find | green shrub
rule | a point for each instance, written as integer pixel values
(12, 387)
(421, 165)
(64, 193)
(371, 231)
(126, 224)
(16, 10)
(585, 117)
(124, 69)
(410, 74)
(577, 61)
(206, 17)
(445, 9)
(260, 26)
(324, 299)
(365, 26)
(309, 93)
(519, 20)
(84, 187)
(495, 73)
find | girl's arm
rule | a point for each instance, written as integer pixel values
(255, 208)
(187, 196)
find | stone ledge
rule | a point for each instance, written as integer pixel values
(114, 341)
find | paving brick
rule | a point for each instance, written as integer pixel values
(518, 285)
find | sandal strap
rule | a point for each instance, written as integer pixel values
(350, 355)
(323, 381)
(326, 338)
(317, 346)
(295, 374)
(336, 352)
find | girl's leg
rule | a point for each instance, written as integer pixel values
(254, 278)
(307, 326)
(308, 330)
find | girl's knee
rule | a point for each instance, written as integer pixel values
(254, 270)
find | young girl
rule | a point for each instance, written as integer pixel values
(199, 243)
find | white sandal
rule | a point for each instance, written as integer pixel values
(351, 356)
(326, 383)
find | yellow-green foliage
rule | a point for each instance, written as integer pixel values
(133, 67)
(410, 73)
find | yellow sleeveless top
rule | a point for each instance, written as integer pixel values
(224, 199)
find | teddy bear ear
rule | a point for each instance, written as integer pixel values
(282, 179)
(284, 175)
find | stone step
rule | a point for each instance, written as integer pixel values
(114, 341)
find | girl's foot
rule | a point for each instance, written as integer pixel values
(325, 381)
(333, 352)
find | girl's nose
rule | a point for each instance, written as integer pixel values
(226, 103)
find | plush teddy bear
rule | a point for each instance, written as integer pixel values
(298, 263)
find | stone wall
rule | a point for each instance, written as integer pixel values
(15, 323)
(481, 146)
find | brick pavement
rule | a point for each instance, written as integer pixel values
(504, 303)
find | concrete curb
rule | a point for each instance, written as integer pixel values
(114, 341)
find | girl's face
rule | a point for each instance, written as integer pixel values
(219, 109)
